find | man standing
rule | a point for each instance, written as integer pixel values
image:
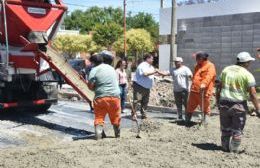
(181, 75)
(142, 83)
(202, 87)
(235, 84)
(103, 80)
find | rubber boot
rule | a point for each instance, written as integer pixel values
(117, 131)
(98, 131)
(188, 117)
(225, 141)
(234, 145)
(205, 119)
(104, 134)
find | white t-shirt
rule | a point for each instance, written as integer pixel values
(139, 78)
(180, 78)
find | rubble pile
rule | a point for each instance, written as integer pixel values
(161, 93)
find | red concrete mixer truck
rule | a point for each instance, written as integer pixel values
(27, 60)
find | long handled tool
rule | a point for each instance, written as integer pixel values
(134, 118)
(202, 116)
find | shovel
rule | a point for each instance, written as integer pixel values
(134, 119)
(202, 115)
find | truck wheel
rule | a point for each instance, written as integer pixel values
(42, 108)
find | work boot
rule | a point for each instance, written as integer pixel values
(117, 131)
(143, 117)
(143, 113)
(98, 131)
(179, 114)
(234, 145)
(225, 142)
(180, 117)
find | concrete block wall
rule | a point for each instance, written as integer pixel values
(223, 37)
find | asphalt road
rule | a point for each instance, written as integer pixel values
(65, 121)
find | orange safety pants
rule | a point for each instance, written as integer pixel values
(195, 100)
(110, 105)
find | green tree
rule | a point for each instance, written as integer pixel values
(138, 42)
(73, 44)
(105, 35)
(86, 21)
(144, 21)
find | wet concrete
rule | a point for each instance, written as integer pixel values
(66, 121)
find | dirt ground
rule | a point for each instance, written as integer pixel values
(163, 143)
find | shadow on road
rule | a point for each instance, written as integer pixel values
(166, 118)
(183, 123)
(30, 118)
(207, 146)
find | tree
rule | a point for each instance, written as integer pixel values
(138, 42)
(105, 35)
(144, 21)
(86, 21)
(73, 44)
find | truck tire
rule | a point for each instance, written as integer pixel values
(46, 91)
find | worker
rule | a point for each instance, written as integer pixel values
(142, 83)
(103, 80)
(122, 79)
(108, 57)
(202, 87)
(181, 76)
(236, 84)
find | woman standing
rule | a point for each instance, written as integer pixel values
(122, 79)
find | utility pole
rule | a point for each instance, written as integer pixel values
(125, 52)
(162, 3)
(173, 40)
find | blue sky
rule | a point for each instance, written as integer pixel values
(135, 6)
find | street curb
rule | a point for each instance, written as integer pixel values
(150, 108)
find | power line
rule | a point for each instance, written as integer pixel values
(71, 4)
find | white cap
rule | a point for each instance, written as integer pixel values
(178, 59)
(244, 57)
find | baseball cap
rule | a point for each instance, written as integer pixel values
(244, 57)
(178, 59)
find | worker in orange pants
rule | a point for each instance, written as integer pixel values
(103, 81)
(104, 105)
(202, 86)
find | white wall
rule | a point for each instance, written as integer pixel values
(164, 59)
